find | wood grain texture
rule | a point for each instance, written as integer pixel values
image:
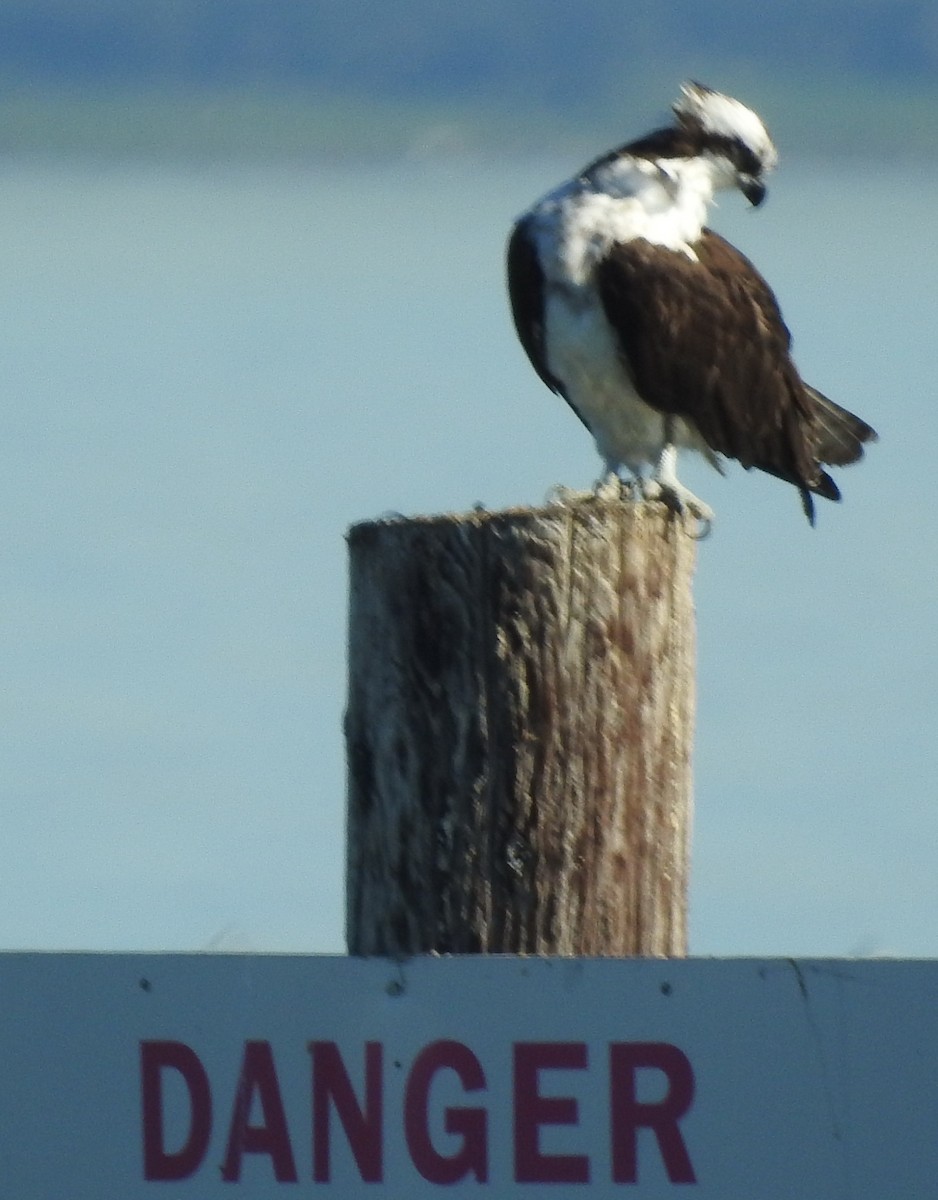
(519, 728)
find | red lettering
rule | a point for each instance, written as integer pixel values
(259, 1077)
(158, 1162)
(629, 1114)
(532, 1110)
(467, 1123)
(362, 1125)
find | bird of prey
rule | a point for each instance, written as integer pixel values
(657, 331)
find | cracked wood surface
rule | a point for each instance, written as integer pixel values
(518, 729)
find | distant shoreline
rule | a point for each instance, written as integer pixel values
(241, 124)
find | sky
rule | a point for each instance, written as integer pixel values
(211, 372)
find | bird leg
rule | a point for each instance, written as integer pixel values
(664, 485)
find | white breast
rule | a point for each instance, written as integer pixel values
(582, 353)
(575, 228)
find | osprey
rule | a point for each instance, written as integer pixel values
(659, 333)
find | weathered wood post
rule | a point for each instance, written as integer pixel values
(519, 726)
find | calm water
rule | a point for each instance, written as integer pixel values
(209, 374)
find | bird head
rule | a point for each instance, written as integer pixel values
(731, 136)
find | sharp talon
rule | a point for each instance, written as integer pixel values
(609, 487)
(612, 486)
(679, 499)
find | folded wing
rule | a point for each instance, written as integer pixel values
(705, 340)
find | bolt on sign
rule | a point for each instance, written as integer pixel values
(199, 1075)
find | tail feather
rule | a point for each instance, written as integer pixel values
(834, 437)
(840, 434)
(824, 486)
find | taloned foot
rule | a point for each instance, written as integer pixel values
(680, 500)
(607, 489)
(612, 486)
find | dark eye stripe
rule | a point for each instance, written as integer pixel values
(742, 158)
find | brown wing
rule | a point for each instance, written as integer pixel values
(526, 292)
(706, 341)
(836, 435)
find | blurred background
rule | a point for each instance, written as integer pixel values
(252, 292)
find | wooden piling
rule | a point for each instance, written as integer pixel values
(519, 726)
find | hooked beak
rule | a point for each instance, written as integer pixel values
(753, 189)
